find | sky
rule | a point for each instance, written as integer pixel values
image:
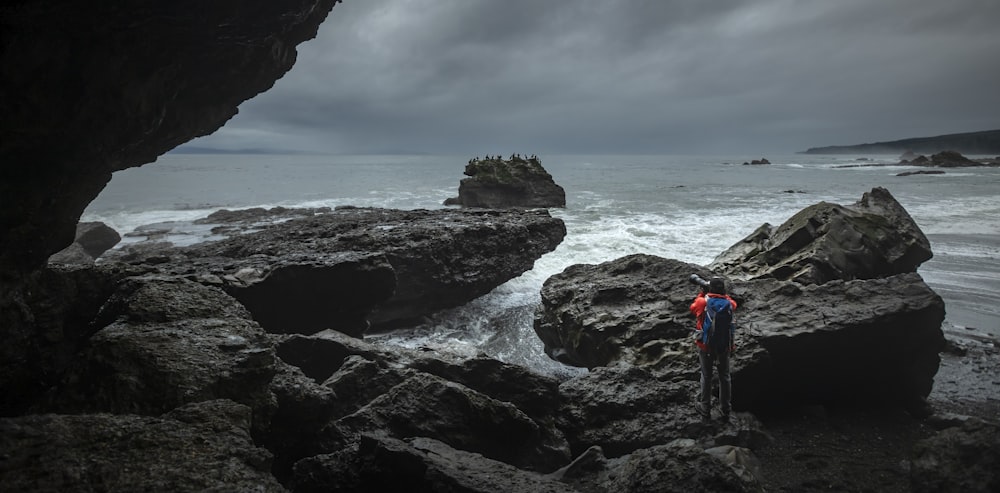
(478, 77)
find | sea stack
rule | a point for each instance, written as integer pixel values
(498, 183)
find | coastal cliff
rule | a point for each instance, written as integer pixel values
(985, 142)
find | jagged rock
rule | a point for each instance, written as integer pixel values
(960, 459)
(943, 159)
(44, 325)
(757, 162)
(331, 270)
(627, 408)
(818, 343)
(592, 315)
(429, 406)
(499, 183)
(951, 159)
(536, 395)
(874, 237)
(416, 464)
(92, 239)
(303, 408)
(167, 343)
(680, 466)
(200, 447)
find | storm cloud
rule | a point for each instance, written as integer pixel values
(628, 77)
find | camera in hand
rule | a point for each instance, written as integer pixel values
(696, 279)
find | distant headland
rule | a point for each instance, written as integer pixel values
(985, 142)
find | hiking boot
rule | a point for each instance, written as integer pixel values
(703, 409)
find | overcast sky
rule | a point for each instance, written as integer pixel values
(483, 77)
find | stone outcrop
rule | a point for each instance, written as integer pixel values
(504, 183)
(803, 338)
(756, 162)
(959, 458)
(92, 239)
(204, 446)
(353, 266)
(943, 159)
(875, 237)
(147, 79)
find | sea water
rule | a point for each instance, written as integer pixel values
(688, 208)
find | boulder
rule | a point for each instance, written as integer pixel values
(355, 266)
(167, 343)
(498, 183)
(756, 162)
(92, 239)
(204, 446)
(416, 464)
(682, 466)
(429, 406)
(943, 159)
(960, 459)
(797, 344)
(875, 237)
(45, 323)
(628, 408)
(952, 159)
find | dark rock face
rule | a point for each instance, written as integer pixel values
(92, 239)
(874, 237)
(332, 270)
(199, 447)
(169, 343)
(962, 458)
(756, 162)
(823, 342)
(517, 182)
(92, 88)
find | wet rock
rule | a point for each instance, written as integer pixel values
(962, 458)
(858, 341)
(344, 269)
(200, 447)
(874, 237)
(922, 172)
(498, 183)
(682, 466)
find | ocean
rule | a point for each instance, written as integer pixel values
(688, 208)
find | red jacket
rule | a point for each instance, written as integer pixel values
(698, 309)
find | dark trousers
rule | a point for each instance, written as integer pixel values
(720, 361)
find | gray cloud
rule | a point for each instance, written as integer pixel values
(629, 76)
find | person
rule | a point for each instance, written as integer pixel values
(709, 358)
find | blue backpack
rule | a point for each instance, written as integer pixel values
(719, 325)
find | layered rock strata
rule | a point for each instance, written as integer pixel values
(349, 267)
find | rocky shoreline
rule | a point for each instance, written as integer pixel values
(241, 365)
(155, 337)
